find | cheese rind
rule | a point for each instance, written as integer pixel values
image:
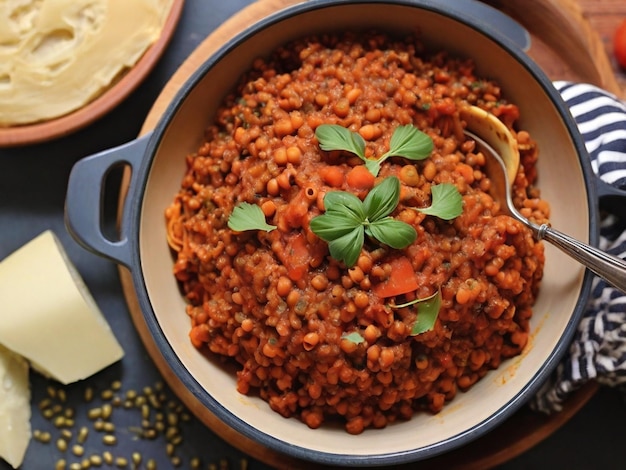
(57, 55)
(15, 430)
(48, 316)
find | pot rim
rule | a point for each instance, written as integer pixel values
(133, 216)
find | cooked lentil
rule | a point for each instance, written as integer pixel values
(279, 305)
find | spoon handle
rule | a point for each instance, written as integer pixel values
(610, 268)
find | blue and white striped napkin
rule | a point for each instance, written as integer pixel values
(598, 351)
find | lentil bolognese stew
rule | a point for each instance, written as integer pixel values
(334, 234)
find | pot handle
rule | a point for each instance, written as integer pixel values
(612, 199)
(84, 199)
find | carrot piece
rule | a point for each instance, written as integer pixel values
(360, 177)
(401, 281)
(332, 175)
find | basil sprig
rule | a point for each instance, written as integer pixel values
(447, 202)
(406, 141)
(348, 219)
(427, 312)
(246, 216)
(354, 337)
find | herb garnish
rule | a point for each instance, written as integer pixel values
(406, 141)
(447, 202)
(354, 337)
(246, 216)
(427, 312)
(347, 219)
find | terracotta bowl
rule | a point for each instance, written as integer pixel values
(157, 163)
(123, 86)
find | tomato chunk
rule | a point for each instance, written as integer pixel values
(619, 44)
(296, 257)
(401, 281)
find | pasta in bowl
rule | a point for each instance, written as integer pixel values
(280, 318)
(335, 322)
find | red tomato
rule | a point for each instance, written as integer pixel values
(401, 281)
(619, 44)
(296, 257)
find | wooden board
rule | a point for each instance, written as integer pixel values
(566, 46)
(572, 39)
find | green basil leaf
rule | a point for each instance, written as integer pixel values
(347, 248)
(335, 137)
(246, 216)
(345, 203)
(391, 232)
(382, 199)
(354, 337)
(447, 202)
(427, 312)
(409, 142)
(330, 225)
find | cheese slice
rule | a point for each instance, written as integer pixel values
(57, 55)
(15, 429)
(48, 316)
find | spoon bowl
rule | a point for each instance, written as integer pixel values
(494, 135)
(499, 147)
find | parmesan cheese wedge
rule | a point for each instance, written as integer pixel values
(15, 429)
(58, 55)
(48, 316)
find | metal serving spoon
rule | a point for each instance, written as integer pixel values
(502, 162)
